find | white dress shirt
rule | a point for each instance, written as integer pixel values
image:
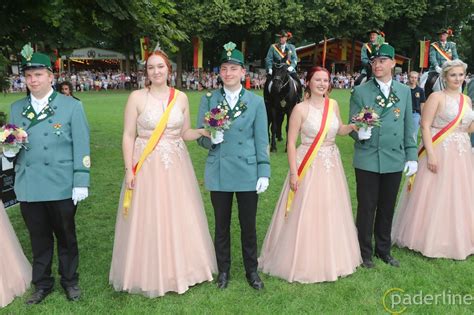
(232, 97)
(39, 104)
(385, 87)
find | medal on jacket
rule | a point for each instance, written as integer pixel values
(30, 113)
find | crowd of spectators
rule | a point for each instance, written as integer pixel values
(92, 80)
(89, 80)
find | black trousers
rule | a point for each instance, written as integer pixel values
(43, 220)
(376, 198)
(247, 204)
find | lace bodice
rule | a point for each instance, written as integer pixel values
(170, 142)
(311, 125)
(445, 115)
(310, 129)
(449, 112)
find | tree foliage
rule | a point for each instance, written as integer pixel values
(117, 24)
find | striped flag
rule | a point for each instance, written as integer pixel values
(145, 47)
(424, 53)
(197, 52)
(325, 46)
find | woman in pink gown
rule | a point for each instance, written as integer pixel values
(163, 243)
(15, 270)
(436, 217)
(317, 240)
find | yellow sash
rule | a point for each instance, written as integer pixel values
(150, 146)
(441, 52)
(368, 48)
(442, 134)
(282, 54)
(313, 149)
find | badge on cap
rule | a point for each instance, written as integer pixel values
(27, 52)
(229, 47)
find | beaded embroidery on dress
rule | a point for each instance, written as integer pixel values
(317, 241)
(437, 217)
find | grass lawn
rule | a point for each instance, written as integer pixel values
(359, 293)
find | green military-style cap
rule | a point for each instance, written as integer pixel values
(373, 30)
(384, 50)
(232, 55)
(284, 33)
(445, 31)
(34, 60)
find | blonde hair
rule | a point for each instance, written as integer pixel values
(448, 65)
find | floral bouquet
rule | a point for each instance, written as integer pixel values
(12, 139)
(366, 118)
(216, 120)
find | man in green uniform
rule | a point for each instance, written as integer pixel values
(440, 51)
(237, 163)
(366, 54)
(51, 175)
(282, 53)
(381, 153)
(470, 92)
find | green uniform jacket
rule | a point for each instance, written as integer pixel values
(391, 144)
(236, 164)
(470, 93)
(274, 57)
(436, 59)
(58, 154)
(365, 57)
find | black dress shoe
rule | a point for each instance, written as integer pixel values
(38, 296)
(222, 280)
(389, 260)
(73, 293)
(367, 263)
(255, 281)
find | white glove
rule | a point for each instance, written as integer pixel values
(9, 153)
(79, 194)
(262, 184)
(438, 69)
(290, 69)
(218, 137)
(411, 167)
(270, 71)
(365, 133)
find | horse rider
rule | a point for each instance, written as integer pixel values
(440, 51)
(282, 52)
(366, 53)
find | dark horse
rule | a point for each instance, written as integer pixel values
(431, 82)
(281, 93)
(364, 77)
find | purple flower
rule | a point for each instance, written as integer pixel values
(215, 111)
(10, 126)
(367, 116)
(213, 122)
(10, 139)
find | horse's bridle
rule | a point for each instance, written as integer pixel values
(284, 83)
